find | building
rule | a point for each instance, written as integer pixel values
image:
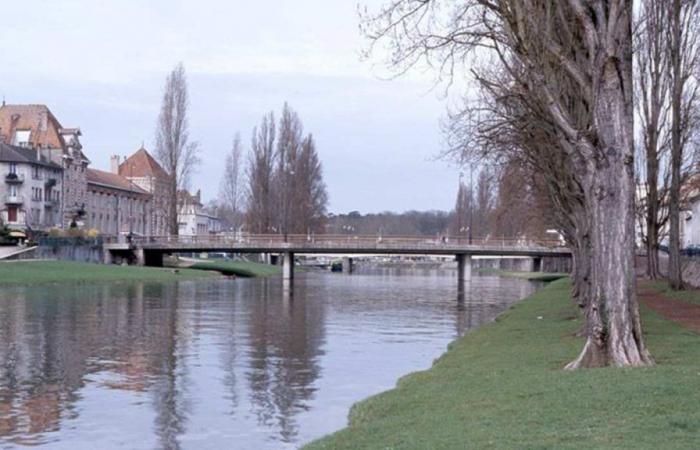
(193, 219)
(145, 172)
(116, 205)
(35, 127)
(31, 188)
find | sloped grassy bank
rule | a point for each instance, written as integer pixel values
(502, 386)
(238, 268)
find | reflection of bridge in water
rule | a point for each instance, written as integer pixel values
(149, 251)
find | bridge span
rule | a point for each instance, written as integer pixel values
(150, 250)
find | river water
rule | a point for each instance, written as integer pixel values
(236, 364)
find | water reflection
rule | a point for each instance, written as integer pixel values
(235, 364)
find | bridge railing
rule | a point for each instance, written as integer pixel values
(332, 241)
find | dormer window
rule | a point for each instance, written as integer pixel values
(21, 138)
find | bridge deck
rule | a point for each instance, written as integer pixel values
(346, 244)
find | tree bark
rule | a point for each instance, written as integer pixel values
(674, 248)
(614, 335)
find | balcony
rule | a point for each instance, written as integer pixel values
(13, 199)
(14, 178)
(50, 182)
(50, 203)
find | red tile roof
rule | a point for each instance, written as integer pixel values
(37, 118)
(142, 164)
(112, 180)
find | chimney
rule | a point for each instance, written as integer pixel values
(114, 164)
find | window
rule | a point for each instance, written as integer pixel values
(22, 138)
(13, 168)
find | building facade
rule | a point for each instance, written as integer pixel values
(193, 219)
(35, 127)
(115, 205)
(144, 171)
(30, 190)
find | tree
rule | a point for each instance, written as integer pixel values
(652, 101)
(311, 197)
(684, 50)
(174, 150)
(232, 184)
(287, 193)
(261, 163)
(463, 209)
(571, 63)
(286, 173)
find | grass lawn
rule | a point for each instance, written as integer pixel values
(535, 276)
(690, 295)
(502, 386)
(238, 268)
(18, 273)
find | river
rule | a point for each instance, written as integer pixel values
(236, 364)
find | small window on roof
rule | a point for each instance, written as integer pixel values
(22, 138)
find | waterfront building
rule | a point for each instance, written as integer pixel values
(30, 189)
(193, 218)
(35, 127)
(116, 205)
(142, 169)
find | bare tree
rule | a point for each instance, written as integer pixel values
(555, 52)
(684, 50)
(463, 209)
(261, 166)
(286, 174)
(652, 101)
(174, 150)
(311, 197)
(232, 184)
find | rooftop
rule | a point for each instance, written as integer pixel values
(12, 153)
(112, 180)
(142, 164)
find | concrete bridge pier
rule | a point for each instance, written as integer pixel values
(537, 264)
(107, 257)
(347, 265)
(148, 258)
(288, 266)
(464, 268)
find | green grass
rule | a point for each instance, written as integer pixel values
(238, 268)
(690, 295)
(22, 273)
(502, 386)
(534, 276)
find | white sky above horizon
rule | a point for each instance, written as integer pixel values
(101, 66)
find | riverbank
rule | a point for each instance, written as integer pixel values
(25, 273)
(236, 268)
(532, 276)
(502, 386)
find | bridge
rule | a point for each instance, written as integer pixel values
(150, 250)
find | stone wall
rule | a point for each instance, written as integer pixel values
(70, 249)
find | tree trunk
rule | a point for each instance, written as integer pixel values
(674, 245)
(173, 210)
(613, 328)
(652, 200)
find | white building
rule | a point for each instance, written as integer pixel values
(31, 188)
(192, 217)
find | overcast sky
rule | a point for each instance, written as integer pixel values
(101, 66)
